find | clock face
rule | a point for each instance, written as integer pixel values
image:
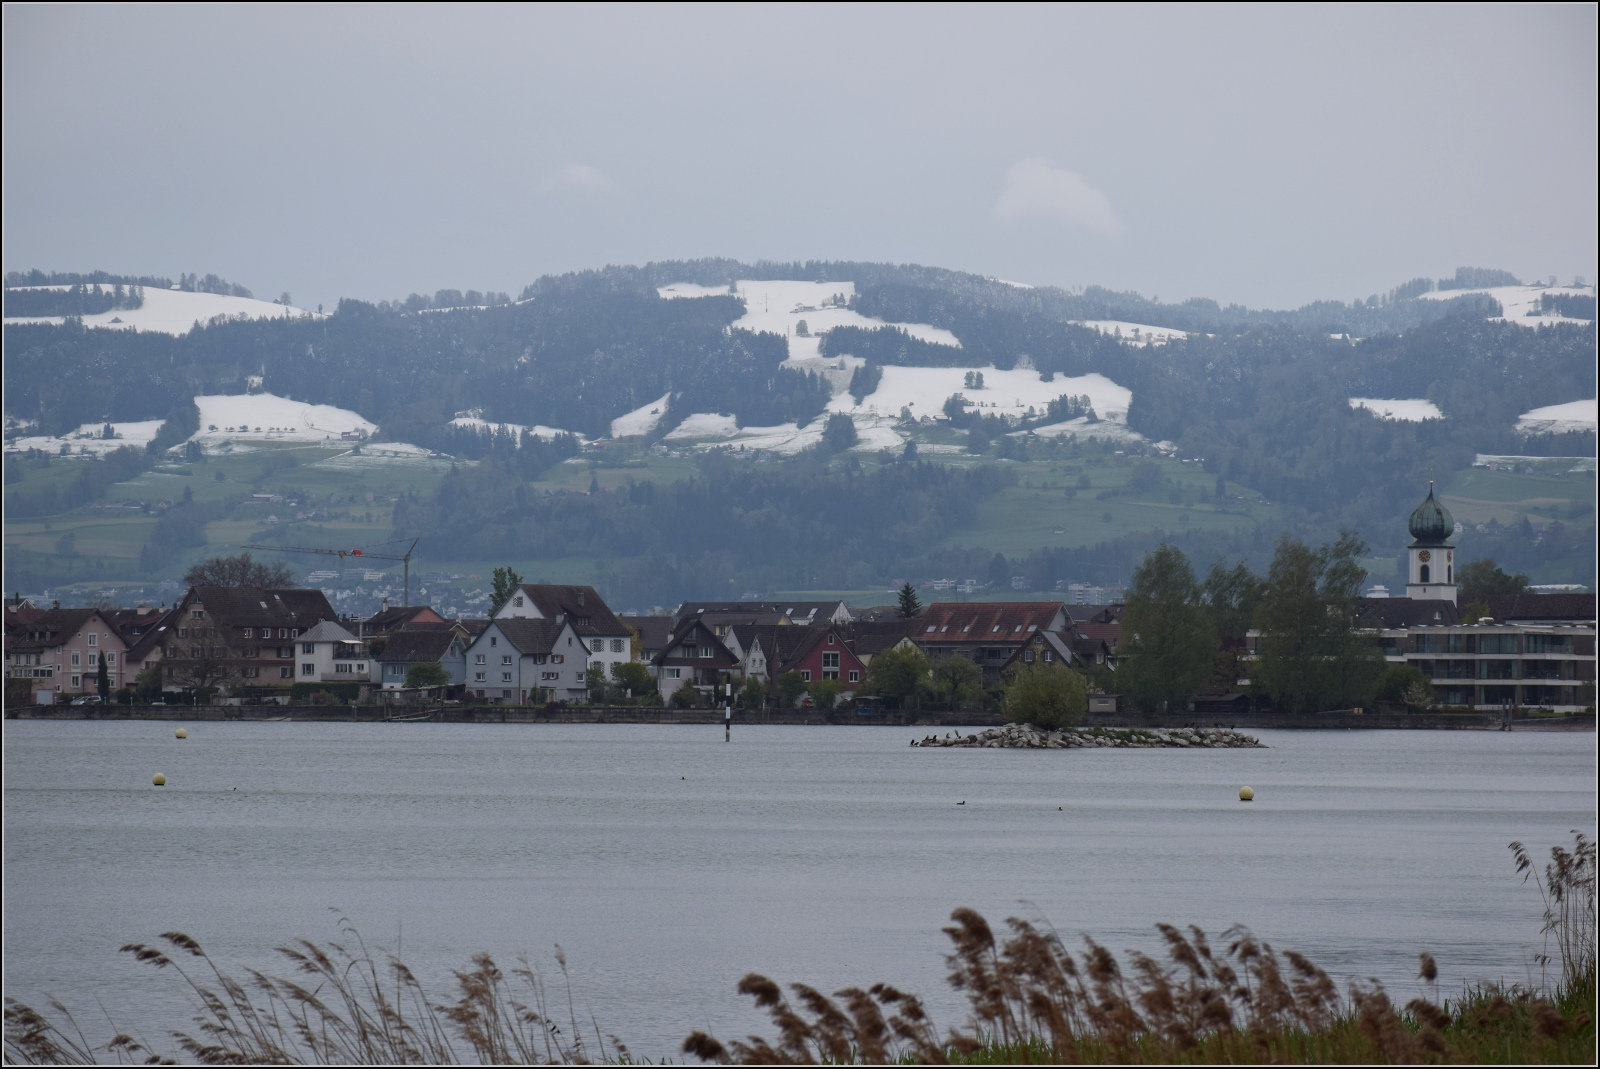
(1424, 556)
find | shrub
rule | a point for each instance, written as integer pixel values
(1047, 695)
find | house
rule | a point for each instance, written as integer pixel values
(1041, 647)
(694, 656)
(652, 633)
(1096, 638)
(822, 653)
(520, 660)
(606, 640)
(327, 653)
(143, 630)
(221, 634)
(785, 612)
(390, 619)
(445, 646)
(988, 633)
(59, 651)
(868, 638)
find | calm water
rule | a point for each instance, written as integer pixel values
(668, 864)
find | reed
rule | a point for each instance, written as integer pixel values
(1032, 999)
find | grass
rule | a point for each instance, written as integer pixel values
(1032, 1001)
(1478, 495)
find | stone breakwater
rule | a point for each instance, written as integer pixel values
(1028, 737)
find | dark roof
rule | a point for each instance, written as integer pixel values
(529, 637)
(140, 629)
(703, 634)
(473, 627)
(784, 644)
(393, 617)
(50, 628)
(246, 606)
(1054, 640)
(653, 630)
(869, 637)
(582, 605)
(1085, 613)
(430, 645)
(876, 614)
(1573, 608)
(994, 621)
(1406, 612)
(1100, 631)
(794, 611)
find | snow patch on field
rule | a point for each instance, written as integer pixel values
(1557, 419)
(228, 421)
(384, 454)
(1133, 333)
(538, 430)
(778, 306)
(706, 425)
(1082, 428)
(924, 391)
(176, 311)
(642, 420)
(87, 440)
(1407, 410)
(1519, 303)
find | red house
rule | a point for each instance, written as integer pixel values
(823, 654)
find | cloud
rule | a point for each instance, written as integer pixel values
(1035, 189)
(580, 176)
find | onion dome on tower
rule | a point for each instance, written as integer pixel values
(1431, 523)
(1431, 570)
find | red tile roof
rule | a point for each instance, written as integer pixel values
(984, 621)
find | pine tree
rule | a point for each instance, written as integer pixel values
(910, 604)
(102, 681)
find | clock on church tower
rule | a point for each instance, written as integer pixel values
(1432, 565)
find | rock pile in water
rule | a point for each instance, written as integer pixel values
(1028, 737)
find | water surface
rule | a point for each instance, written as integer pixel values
(667, 864)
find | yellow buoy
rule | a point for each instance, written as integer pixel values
(1246, 794)
(159, 780)
(182, 733)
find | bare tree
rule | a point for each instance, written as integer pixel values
(238, 571)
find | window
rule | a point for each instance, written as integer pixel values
(1497, 669)
(361, 666)
(183, 632)
(94, 658)
(691, 651)
(248, 632)
(75, 658)
(285, 651)
(549, 675)
(1049, 655)
(111, 658)
(598, 645)
(1549, 643)
(493, 641)
(286, 672)
(94, 640)
(598, 666)
(505, 694)
(1497, 644)
(1422, 574)
(197, 614)
(616, 645)
(249, 673)
(505, 677)
(557, 658)
(283, 632)
(505, 658)
(578, 676)
(830, 660)
(77, 681)
(855, 676)
(481, 659)
(308, 648)
(805, 674)
(308, 669)
(1027, 656)
(830, 640)
(671, 673)
(397, 670)
(478, 677)
(517, 601)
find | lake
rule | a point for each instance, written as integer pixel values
(668, 864)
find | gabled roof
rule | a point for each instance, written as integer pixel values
(1541, 608)
(396, 616)
(1087, 613)
(51, 628)
(703, 635)
(530, 638)
(581, 605)
(794, 612)
(473, 626)
(327, 631)
(247, 606)
(1406, 612)
(1052, 639)
(418, 645)
(1109, 633)
(784, 644)
(869, 638)
(653, 630)
(876, 614)
(995, 621)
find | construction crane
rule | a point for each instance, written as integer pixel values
(362, 553)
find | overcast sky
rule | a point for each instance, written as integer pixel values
(1267, 156)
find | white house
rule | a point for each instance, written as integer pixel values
(606, 640)
(518, 661)
(329, 654)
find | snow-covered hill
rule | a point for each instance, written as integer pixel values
(1407, 409)
(231, 421)
(1520, 303)
(1557, 419)
(173, 311)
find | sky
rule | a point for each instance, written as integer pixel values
(1269, 156)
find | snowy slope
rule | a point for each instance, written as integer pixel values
(1520, 303)
(641, 420)
(1133, 333)
(175, 311)
(86, 439)
(924, 391)
(231, 421)
(1409, 410)
(1555, 419)
(538, 430)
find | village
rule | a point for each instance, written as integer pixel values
(554, 645)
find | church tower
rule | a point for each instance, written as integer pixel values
(1432, 565)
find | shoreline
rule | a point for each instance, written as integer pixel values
(1341, 720)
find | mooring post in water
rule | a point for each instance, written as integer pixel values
(727, 716)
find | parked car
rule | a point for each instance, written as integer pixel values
(87, 699)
